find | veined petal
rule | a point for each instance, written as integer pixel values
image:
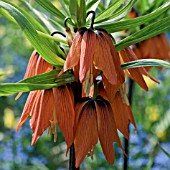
(87, 52)
(128, 55)
(122, 115)
(106, 128)
(31, 67)
(28, 108)
(115, 57)
(65, 114)
(86, 132)
(142, 70)
(73, 56)
(30, 71)
(42, 66)
(110, 89)
(103, 59)
(78, 111)
(40, 120)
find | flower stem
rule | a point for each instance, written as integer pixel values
(93, 17)
(77, 88)
(72, 159)
(126, 142)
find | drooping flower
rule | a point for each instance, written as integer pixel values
(128, 55)
(48, 109)
(120, 106)
(36, 65)
(153, 48)
(94, 120)
(91, 53)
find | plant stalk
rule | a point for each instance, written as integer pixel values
(77, 88)
(126, 142)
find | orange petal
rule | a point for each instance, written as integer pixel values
(78, 110)
(28, 108)
(42, 66)
(122, 115)
(87, 52)
(65, 114)
(116, 60)
(110, 89)
(86, 132)
(166, 46)
(40, 121)
(73, 56)
(30, 71)
(142, 70)
(128, 55)
(106, 128)
(103, 59)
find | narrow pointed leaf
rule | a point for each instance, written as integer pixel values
(150, 31)
(39, 82)
(145, 62)
(119, 14)
(51, 9)
(73, 8)
(81, 16)
(109, 10)
(43, 46)
(131, 23)
(92, 5)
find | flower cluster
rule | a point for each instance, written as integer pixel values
(103, 107)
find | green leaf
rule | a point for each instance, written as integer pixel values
(112, 8)
(120, 13)
(81, 16)
(43, 46)
(46, 4)
(65, 7)
(33, 21)
(131, 23)
(73, 7)
(144, 63)
(78, 12)
(39, 82)
(92, 5)
(145, 33)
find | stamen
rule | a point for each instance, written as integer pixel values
(92, 152)
(93, 17)
(53, 127)
(123, 91)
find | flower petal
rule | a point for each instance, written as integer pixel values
(103, 59)
(87, 52)
(30, 71)
(106, 128)
(128, 55)
(122, 114)
(142, 70)
(65, 114)
(110, 89)
(86, 132)
(115, 57)
(28, 108)
(42, 66)
(73, 56)
(41, 117)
